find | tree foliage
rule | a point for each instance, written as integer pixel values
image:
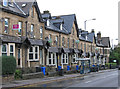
(115, 55)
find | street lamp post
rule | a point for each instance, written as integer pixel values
(86, 21)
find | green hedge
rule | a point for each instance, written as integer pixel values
(108, 64)
(8, 65)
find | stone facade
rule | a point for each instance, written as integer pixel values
(31, 51)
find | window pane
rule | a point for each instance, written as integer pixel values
(6, 22)
(36, 49)
(6, 25)
(30, 56)
(18, 53)
(11, 54)
(49, 61)
(11, 48)
(32, 28)
(20, 28)
(31, 49)
(40, 54)
(41, 32)
(49, 55)
(63, 60)
(4, 54)
(4, 49)
(36, 56)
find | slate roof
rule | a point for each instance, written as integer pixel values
(36, 42)
(17, 8)
(11, 39)
(66, 20)
(105, 41)
(90, 36)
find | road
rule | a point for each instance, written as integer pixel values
(106, 79)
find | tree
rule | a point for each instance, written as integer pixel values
(115, 55)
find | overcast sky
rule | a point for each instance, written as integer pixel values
(105, 12)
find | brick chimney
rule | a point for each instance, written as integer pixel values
(92, 31)
(46, 12)
(99, 35)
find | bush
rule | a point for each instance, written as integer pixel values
(8, 65)
(112, 64)
(18, 74)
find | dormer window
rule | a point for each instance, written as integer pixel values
(23, 5)
(61, 27)
(5, 2)
(48, 22)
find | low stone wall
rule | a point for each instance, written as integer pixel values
(33, 75)
(8, 78)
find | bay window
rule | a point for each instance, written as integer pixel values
(34, 53)
(74, 58)
(51, 58)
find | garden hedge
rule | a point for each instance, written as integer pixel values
(8, 65)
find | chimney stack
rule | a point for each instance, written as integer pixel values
(92, 31)
(46, 12)
(99, 35)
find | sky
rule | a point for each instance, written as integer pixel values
(105, 12)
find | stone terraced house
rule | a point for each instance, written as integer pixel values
(38, 39)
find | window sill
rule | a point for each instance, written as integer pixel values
(74, 62)
(51, 64)
(64, 63)
(33, 60)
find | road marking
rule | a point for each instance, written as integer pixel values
(88, 81)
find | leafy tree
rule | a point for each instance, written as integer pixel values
(115, 55)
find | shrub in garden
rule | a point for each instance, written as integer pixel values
(8, 65)
(18, 74)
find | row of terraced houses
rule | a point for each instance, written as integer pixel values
(38, 39)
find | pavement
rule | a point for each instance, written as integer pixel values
(37, 81)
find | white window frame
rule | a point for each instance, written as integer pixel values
(74, 56)
(52, 59)
(66, 59)
(2, 50)
(33, 53)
